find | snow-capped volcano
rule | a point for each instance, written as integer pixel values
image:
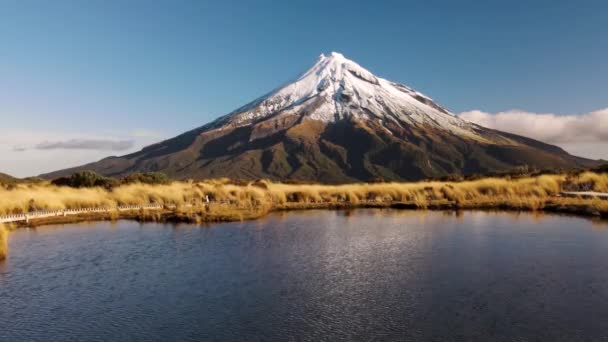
(337, 123)
(336, 88)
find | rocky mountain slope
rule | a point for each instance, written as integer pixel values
(337, 123)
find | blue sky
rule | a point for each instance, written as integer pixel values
(146, 70)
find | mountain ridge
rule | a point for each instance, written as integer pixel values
(6, 178)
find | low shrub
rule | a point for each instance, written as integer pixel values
(147, 178)
(86, 179)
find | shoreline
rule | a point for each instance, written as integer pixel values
(221, 200)
(592, 209)
(197, 215)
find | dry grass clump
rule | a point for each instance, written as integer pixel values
(28, 197)
(587, 207)
(3, 243)
(219, 212)
(591, 182)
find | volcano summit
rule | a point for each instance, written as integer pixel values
(338, 123)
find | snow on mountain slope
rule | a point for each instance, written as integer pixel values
(337, 88)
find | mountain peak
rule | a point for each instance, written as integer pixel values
(336, 88)
(333, 54)
(336, 67)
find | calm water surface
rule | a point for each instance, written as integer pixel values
(311, 276)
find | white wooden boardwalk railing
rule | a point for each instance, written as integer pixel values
(66, 212)
(585, 194)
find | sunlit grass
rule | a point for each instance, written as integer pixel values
(234, 200)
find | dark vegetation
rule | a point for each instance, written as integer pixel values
(601, 169)
(521, 172)
(146, 178)
(88, 179)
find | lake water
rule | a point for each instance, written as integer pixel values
(311, 276)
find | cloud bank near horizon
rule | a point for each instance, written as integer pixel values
(585, 135)
(30, 153)
(81, 144)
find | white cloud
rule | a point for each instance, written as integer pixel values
(585, 135)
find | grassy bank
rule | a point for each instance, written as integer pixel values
(225, 200)
(231, 200)
(3, 243)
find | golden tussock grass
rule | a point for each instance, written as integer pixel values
(24, 198)
(598, 182)
(233, 200)
(526, 193)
